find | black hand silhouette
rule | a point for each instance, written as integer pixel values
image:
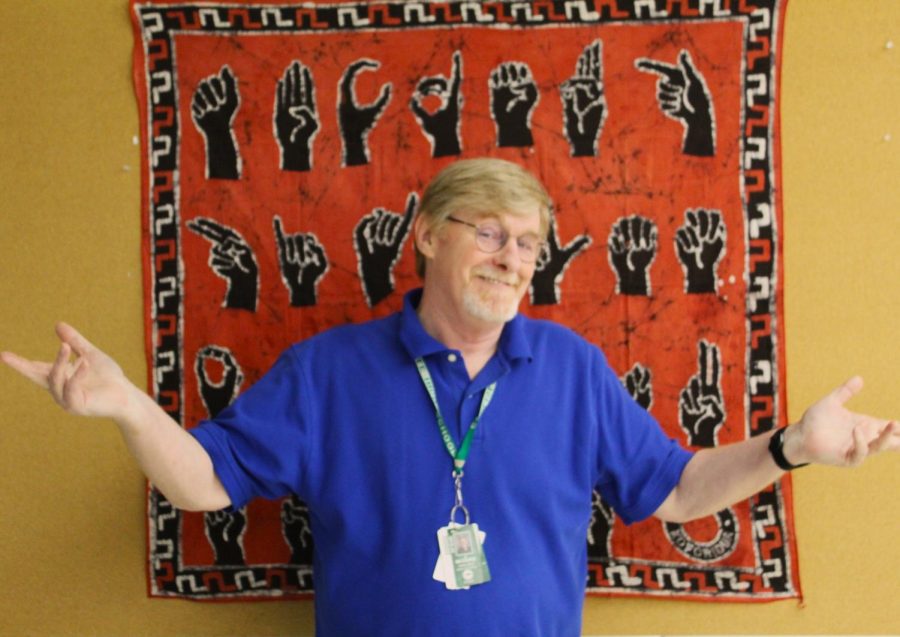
(296, 120)
(441, 127)
(584, 102)
(232, 259)
(700, 243)
(303, 264)
(224, 531)
(296, 530)
(700, 405)
(639, 383)
(600, 528)
(551, 264)
(358, 120)
(378, 238)
(513, 98)
(213, 107)
(632, 248)
(682, 94)
(217, 395)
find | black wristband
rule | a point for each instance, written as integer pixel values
(776, 448)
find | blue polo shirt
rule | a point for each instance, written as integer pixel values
(343, 421)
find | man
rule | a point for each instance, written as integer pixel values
(448, 453)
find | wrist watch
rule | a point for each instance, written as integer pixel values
(776, 448)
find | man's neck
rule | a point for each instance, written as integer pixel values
(477, 340)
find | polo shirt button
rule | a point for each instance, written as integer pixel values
(452, 358)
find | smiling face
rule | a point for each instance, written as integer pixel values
(469, 284)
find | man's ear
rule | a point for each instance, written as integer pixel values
(425, 236)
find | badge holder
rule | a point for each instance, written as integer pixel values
(461, 562)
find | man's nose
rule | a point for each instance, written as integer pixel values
(508, 256)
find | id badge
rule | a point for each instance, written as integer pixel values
(461, 562)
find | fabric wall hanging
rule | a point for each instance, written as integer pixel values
(285, 147)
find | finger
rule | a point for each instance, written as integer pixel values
(228, 81)
(644, 376)
(417, 109)
(299, 241)
(68, 334)
(280, 100)
(703, 216)
(221, 264)
(308, 97)
(518, 73)
(57, 377)
(713, 380)
(316, 248)
(73, 388)
(581, 67)
(411, 202)
(858, 452)
(382, 225)
(668, 104)
(279, 232)
(300, 89)
(209, 93)
(849, 389)
(198, 106)
(524, 73)
(312, 249)
(207, 229)
(693, 238)
(577, 245)
(681, 238)
(885, 438)
(357, 66)
(715, 224)
(615, 244)
(457, 66)
(290, 81)
(494, 80)
(595, 60)
(662, 69)
(218, 89)
(233, 375)
(383, 98)
(702, 357)
(36, 371)
(687, 66)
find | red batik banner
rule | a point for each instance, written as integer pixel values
(285, 147)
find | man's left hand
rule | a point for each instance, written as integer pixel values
(829, 433)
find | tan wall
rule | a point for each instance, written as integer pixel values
(72, 538)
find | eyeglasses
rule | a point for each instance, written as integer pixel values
(490, 238)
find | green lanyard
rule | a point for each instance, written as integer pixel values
(459, 455)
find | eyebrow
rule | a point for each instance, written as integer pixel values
(482, 217)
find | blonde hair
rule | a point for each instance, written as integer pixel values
(483, 185)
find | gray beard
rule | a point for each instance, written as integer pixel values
(487, 312)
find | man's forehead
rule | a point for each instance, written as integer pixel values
(526, 219)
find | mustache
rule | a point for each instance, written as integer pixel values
(509, 278)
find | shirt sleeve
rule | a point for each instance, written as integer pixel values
(259, 444)
(637, 463)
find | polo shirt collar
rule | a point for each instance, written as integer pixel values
(419, 343)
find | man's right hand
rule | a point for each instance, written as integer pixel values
(90, 385)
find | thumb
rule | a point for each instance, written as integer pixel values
(577, 244)
(848, 390)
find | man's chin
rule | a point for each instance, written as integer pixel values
(490, 311)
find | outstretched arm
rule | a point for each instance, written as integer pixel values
(92, 384)
(828, 433)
